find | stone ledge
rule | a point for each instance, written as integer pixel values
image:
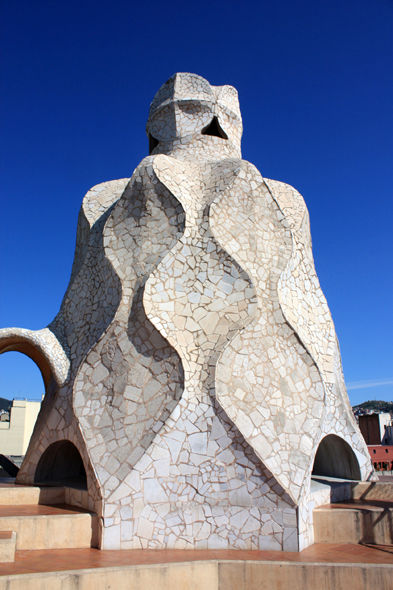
(211, 575)
(354, 523)
(52, 531)
(376, 490)
(7, 546)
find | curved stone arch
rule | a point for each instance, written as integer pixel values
(335, 458)
(43, 347)
(26, 347)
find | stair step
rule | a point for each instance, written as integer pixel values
(376, 490)
(340, 490)
(7, 546)
(15, 495)
(354, 521)
(318, 567)
(50, 527)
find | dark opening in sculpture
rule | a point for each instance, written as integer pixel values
(335, 458)
(61, 463)
(153, 143)
(214, 128)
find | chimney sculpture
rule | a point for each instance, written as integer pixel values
(193, 375)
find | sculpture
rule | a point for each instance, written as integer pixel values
(194, 362)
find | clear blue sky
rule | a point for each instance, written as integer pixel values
(315, 84)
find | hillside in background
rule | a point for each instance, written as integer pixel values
(380, 405)
(5, 404)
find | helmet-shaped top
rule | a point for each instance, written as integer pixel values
(190, 118)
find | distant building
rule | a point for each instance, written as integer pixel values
(375, 427)
(388, 436)
(15, 435)
(382, 457)
(377, 431)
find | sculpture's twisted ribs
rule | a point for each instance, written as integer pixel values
(199, 298)
(196, 263)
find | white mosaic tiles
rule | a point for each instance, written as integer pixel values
(194, 359)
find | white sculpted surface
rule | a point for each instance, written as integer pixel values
(194, 359)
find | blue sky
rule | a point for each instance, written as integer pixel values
(315, 84)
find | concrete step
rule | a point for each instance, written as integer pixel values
(338, 490)
(50, 527)
(354, 521)
(19, 495)
(15, 495)
(378, 490)
(7, 546)
(320, 567)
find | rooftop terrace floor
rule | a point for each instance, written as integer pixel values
(27, 562)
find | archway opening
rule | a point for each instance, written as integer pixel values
(335, 458)
(20, 377)
(21, 393)
(20, 344)
(61, 464)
